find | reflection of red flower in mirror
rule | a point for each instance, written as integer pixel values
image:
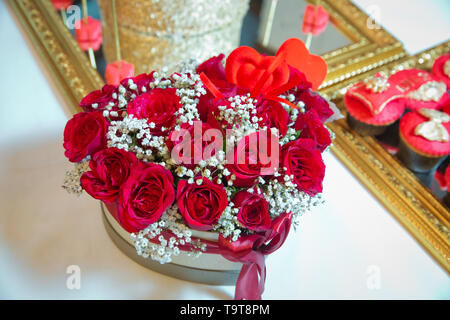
(89, 33)
(62, 4)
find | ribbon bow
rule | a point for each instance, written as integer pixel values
(433, 130)
(250, 251)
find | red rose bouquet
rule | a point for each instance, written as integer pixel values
(233, 148)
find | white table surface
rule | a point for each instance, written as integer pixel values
(340, 249)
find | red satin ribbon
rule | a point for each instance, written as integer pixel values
(248, 250)
(210, 86)
(251, 280)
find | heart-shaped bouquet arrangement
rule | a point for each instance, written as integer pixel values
(232, 148)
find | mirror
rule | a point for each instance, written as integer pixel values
(288, 16)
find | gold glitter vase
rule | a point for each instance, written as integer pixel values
(158, 33)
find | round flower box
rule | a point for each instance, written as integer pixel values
(210, 269)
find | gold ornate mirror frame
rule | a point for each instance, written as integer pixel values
(372, 50)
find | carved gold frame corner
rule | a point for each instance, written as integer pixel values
(372, 47)
(373, 50)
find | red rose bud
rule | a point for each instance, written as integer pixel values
(141, 82)
(158, 107)
(145, 196)
(273, 116)
(256, 155)
(315, 19)
(253, 211)
(99, 98)
(314, 101)
(84, 135)
(89, 33)
(213, 68)
(62, 4)
(110, 168)
(302, 159)
(312, 128)
(116, 72)
(201, 205)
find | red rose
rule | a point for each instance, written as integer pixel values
(207, 103)
(84, 135)
(255, 155)
(313, 101)
(213, 68)
(100, 97)
(142, 80)
(302, 159)
(194, 143)
(145, 196)
(312, 128)
(273, 116)
(157, 106)
(110, 168)
(253, 211)
(201, 205)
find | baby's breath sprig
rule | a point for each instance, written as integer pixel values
(72, 179)
(167, 246)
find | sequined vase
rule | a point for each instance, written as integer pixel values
(161, 33)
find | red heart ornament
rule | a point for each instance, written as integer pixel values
(297, 56)
(245, 67)
(115, 73)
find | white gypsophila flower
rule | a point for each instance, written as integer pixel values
(134, 135)
(285, 197)
(163, 251)
(228, 224)
(290, 135)
(332, 137)
(72, 179)
(241, 115)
